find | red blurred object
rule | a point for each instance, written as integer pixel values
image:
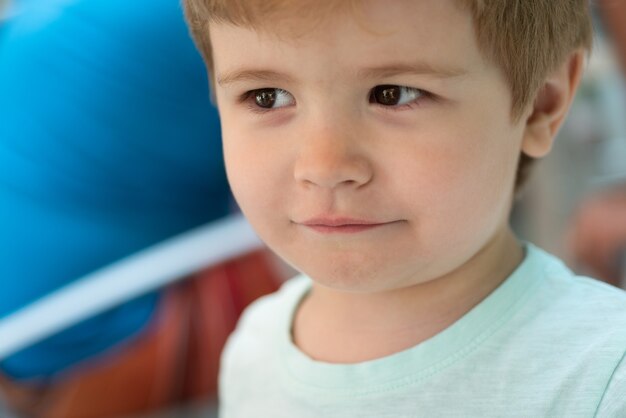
(174, 361)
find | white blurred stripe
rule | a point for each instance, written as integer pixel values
(134, 276)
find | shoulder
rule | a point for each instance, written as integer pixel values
(576, 296)
(578, 316)
(253, 351)
(266, 322)
(567, 339)
(582, 318)
(276, 309)
(613, 403)
(591, 315)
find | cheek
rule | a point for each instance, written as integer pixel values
(254, 173)
(461, 182)
(485, 185)
(243, 162)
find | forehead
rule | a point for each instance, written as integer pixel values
(438, 33)
(299, 16)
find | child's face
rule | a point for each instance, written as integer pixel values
(395, 120)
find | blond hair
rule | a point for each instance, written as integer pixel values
(526, 39)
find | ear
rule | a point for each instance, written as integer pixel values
(551, 105)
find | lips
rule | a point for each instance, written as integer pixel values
(341, 225)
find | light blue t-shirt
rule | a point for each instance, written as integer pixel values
(545, 343)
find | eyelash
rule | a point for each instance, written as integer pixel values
(248, 99)
(417, 101)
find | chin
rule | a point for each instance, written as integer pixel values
(351, 277)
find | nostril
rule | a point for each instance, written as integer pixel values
(333, 180)
(332, 166)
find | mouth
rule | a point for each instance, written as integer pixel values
(341, 225)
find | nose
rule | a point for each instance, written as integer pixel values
(331, 159)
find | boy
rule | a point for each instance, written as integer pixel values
(375, 146)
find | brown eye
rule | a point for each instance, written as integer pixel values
(390, 95)
(269, 98)
(386, 95)
(265, 98)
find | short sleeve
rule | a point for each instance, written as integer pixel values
(613, 403)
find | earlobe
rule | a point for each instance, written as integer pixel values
(550, 106)
(538, 137)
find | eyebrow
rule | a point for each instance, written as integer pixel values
(419, 68)
(252, 75)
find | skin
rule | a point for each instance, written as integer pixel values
(436, 173)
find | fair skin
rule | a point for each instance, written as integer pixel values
(394, 200)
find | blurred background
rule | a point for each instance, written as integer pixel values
(124, 265)
(110, 154)
(574, 204)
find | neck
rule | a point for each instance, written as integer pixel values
(342, 327)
